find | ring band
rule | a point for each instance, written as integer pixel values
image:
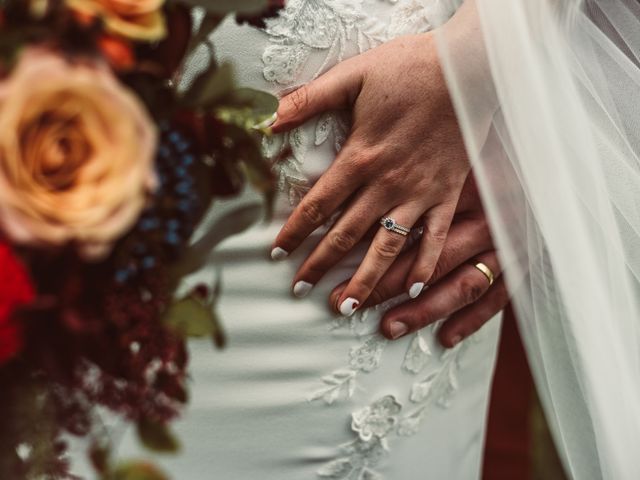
(391, 225)
(486, 271)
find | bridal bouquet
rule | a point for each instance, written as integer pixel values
(107, 163)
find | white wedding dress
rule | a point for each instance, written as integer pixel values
(299, 393)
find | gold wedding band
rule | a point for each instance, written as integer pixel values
(486, 271)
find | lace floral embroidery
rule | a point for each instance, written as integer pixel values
(372, 424)
(384, 418)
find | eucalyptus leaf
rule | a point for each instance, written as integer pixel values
(228, 6)
(156, 436)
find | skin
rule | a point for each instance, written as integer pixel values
(404, 158)
(457, 290)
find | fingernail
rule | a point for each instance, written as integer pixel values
(398, 329)
(349, 306)
(266, 125)
(279, 253)
(416, 289)
(456, 340)
(301, 289)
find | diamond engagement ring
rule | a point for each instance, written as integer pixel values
(391, 225)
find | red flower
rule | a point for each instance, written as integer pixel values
(15, 290)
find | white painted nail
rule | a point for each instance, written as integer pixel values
(266, 124)
(301, 289)
(398, 329)
(416, 289)
(279, 253)
(349, 306)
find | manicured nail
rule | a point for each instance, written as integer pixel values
(456, 340)
(416, 289)
(279, 253)
(266, 125)
(349, 306)
(398, 329)
(301, 289)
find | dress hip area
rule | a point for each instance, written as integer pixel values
(299, 393)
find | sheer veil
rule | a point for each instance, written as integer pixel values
(548, 97)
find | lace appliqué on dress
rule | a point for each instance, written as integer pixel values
(374, 425)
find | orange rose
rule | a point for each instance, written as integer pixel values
(135, 19)
(76, 154)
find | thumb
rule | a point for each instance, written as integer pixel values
(334, 90)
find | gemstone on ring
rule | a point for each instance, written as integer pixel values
(389, 223)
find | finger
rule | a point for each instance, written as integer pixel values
(462, 287)
(384, 249)
(470, 319)
(467, 238)
(436, 228)
(347, 232)
(335, 90)
(331, 190)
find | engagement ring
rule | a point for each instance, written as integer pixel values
(391, 225)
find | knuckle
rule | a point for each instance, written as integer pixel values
(470, 290)
(388, 247)
(300, 99)
(438, 234)
(311, 212)
(362, 161)
(341, 241)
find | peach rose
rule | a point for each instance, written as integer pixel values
(76, 154)
(135, 19)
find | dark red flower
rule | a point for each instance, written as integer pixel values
(15, 290)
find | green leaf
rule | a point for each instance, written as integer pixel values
(210, 87)
(156, 436)
(246, 108)
(136, 470)
(191, 317)
(228, 6)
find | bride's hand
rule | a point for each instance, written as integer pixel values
(404, 159)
